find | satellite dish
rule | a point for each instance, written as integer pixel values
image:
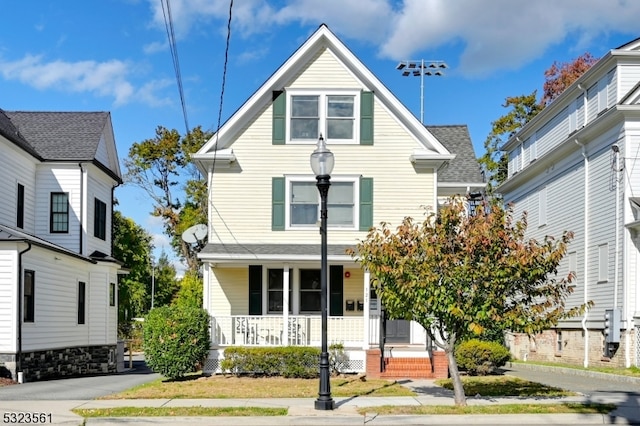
(195, 234)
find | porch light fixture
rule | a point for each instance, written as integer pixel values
(421, 68)
(322, 166)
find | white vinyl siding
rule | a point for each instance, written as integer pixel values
(8, 305)
(542, 206)
(553, 132)
(98, 187)
(16, 167)
(629, 76)
(59, 178)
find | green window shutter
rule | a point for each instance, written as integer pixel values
(255, 290)
(366, 203)
(336, 286)
(366, 118)
(279, 117)
(278, 203)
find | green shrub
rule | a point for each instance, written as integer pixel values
(286, 361)
(176, 339)
(479, 358)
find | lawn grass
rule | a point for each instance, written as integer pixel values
(561, 408)
(504, 386)
(219, 386)
(631, 371)
(179, 411)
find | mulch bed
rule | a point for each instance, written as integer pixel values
(6, 382)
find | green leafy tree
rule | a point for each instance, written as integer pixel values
(165, 283)
(190, 292)
(176, 340)
(162, 167)
(131, 245)
(522, 109)
(457, 274)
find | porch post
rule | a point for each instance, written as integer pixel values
(367, 309)
(285, 305)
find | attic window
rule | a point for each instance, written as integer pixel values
(332, 114)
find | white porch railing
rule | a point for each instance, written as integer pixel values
(299, 330)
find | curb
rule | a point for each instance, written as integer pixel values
(578, 372)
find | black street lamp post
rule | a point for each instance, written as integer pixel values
(322, 166)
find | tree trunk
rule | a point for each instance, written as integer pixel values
(458, 390)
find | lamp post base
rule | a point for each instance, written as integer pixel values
(324, 404)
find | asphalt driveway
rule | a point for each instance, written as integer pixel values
(79, 388)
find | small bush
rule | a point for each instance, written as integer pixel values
(288, 361)
(176, 340)
(337, 358)
(480, 358)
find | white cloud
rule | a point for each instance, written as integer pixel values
(104, 79)
(494, 35)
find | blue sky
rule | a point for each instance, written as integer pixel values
(113, 55)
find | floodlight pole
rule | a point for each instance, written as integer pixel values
(418, 68)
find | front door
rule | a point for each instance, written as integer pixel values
(398, 331)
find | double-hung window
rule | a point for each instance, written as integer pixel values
(20, 207)
(310, 291)
(100, 219)
(304, 203)
(332, 114)
(29, 296)
(276, 290)
(59, 219)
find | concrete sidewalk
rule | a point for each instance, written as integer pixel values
(301, 411)
(594, 388)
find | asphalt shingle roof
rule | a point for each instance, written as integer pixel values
(465, 167)
(9, 131)
(61, 136)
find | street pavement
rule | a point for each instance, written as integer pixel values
(59, 397)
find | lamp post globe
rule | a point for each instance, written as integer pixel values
(322, 165)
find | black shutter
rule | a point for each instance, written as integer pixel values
(255, 290)
(335, 290)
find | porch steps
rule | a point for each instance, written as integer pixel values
(407, 368)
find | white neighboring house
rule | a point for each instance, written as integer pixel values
(576, 167)
(262, 260)
(58, 281)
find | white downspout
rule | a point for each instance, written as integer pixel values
(367, 309)
(585, 361)
(616, 256)
(285, 304)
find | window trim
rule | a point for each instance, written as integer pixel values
(289, 179)
(99, 219)
(53, 214)
(322, 115)
(29, 305)
(82, 303)
(20, 192)
(112, 294)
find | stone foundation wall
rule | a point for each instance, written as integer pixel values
(567, 347)
(66, 362)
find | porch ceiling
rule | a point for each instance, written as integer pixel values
(237, 253)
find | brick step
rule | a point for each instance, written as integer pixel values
(396, 368)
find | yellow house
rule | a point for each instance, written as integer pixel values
(262, 260)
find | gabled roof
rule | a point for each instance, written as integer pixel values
(322, 38)
(65, 136)
(464, 168)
